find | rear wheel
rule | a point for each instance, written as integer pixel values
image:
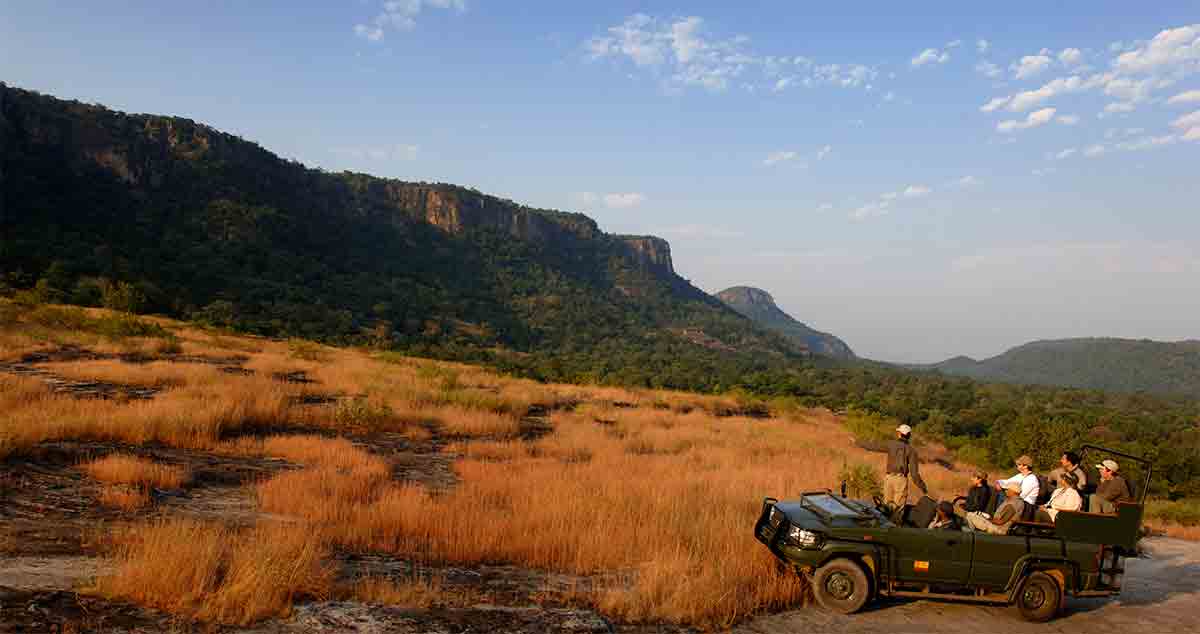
(1039, 598)
(841, 586)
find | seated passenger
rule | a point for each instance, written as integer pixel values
(978, 496)
(1065, 498)
(1010, 511)
(946, 520)
(1030, 487)
(1113, 488)
(1069, 462)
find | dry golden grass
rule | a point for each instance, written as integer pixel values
(160, 374)
(651, 491)
(133, 470)
(125, 498)
(410, 593)
(212, 573)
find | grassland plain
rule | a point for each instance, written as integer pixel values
(257, 475)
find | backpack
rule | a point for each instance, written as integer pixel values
(1044, 490)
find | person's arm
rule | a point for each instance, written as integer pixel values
(914, 471)
(1003, 515)
(1029, 488)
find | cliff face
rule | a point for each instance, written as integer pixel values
(760, 307)
(150, 152)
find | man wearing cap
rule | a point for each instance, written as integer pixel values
(1009, 511)
(902, 464)
(1113, 488)
(1025, 478)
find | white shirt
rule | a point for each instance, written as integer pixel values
(1063, 500)
(1029, 486)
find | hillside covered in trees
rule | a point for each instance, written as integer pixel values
(148, 213)
(759, 306)
(1123, 365)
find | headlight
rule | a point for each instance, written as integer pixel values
(804, 538)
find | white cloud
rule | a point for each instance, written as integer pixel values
(995, 104)
(1192, 134)
(1025, 100)
(681, 53)
(889, 196)
(982, 45)
(398, 152)
(1035, 119)
(916, 191)
(1030, 66)
(954, 44)
(1067, 153)
(930, 56)
(1068, 119)
(823, 152)
(401, 15)
(1148, 142)
(1070, 56)
(783, 156)
(967, 181)
(1044, 171)
(1129, 90)
(627, 200)
(871, 210)
(1178, 47)
(1188, 120)
(988, 69)
(825, 207)
(1093, 151)
(1191, 96)
(1118, 107)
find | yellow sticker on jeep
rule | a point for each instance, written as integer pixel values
(921, 566)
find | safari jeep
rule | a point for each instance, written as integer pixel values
(852, 553)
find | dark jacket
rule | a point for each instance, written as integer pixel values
(903, 460)
(978, 498)
(1115, 490)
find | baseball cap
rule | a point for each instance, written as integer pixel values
(1111, 465)
(1013, 486)
(904, 429)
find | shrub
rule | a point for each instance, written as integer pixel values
(306, 350)
(1185, 512)
(862, 481)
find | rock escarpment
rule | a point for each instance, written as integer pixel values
(759, 306)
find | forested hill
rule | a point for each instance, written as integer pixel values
(758, 305)
(1120, 365)
(172, 216)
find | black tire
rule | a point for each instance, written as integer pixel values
(841, 586)
(1039, 598)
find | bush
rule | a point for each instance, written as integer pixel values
(121, 296)
(306, 350)
(861, 481)
(870, 429)
(1185, 512)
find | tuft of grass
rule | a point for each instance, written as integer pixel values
(135, 471)
(307, 350)
(125, 498)
(409, 593)
(209, 572)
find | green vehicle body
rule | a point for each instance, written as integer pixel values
(1082, 552)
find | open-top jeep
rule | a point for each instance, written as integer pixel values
(853, 552)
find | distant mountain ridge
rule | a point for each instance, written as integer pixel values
(1111, 364)
(759, 306)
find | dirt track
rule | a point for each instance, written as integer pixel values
(1161, 594)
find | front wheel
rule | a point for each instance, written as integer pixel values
(1039, 598)
(841, 586)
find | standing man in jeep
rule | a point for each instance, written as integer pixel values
(902, 464)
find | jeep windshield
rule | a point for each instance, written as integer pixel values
(831, 507)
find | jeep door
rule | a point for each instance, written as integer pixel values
(921, 554)
(995, 556)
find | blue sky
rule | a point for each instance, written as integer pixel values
(922, 181)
